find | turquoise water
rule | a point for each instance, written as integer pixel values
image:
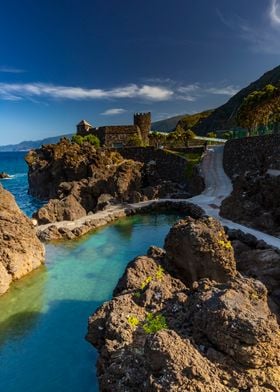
(43, 318)
(13, 163)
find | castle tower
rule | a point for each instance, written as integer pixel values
(144, 122)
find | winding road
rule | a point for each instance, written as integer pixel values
(218, 187)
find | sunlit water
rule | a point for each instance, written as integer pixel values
(43, 317)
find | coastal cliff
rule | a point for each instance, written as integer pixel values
(20, 249)
(79, 179)
(183, 318)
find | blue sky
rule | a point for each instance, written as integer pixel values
(102, 60)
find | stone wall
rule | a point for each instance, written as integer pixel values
(170, 167)
(252, 153)
(111, 136)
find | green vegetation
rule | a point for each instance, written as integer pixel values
(133, 321)
(260, 111)
(191, 121)
(154, 323)
(91, 139)
(159, 273)
(146, 282)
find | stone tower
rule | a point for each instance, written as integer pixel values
(144, 122)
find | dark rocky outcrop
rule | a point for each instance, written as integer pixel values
(253, 164)
(20, 250)
(200, 249)
(205, 335)
(254, 202)
(80, 179)
(4, 175)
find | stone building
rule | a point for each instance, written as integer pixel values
(120, 135)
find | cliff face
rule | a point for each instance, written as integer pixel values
(79, 179)
(20, 250)
(184, 319)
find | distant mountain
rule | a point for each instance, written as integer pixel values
(28, 145)
(225, 117)
(167, 125)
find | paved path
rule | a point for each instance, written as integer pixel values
(218, 187)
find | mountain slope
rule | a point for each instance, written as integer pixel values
(167, 125)
(224, 117)
(28, 145)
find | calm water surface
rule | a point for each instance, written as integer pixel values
(43, 318)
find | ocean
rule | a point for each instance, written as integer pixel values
(14, 164)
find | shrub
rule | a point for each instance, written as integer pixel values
(133, 321)
(154, 323)
(77, 139)
(92, 139)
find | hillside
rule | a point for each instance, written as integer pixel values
(192, 121)
(167, 125)
(30, 144)
(225, 117)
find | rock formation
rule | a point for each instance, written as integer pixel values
(4, 175)
(20, 250)
(254, 202)
(80, 179)
(184, 319)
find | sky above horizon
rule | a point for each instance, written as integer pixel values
(100, 60)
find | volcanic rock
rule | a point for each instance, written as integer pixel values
(20, 250)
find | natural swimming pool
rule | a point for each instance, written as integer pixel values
(43, 318)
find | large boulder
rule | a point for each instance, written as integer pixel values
(200, 249)
(20, 249)
(60, 210)
(236, 319)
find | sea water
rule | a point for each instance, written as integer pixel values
(43, 317)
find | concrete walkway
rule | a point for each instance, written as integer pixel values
(218, 187)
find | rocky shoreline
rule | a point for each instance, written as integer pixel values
(20, 250)
(184, 318)
(79, 180)
(67, 230)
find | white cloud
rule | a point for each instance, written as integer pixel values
(227, 90)
(274, 12)
(26, 90)
(263, 36)
(111, 112)
(193, 92)
(6, 69)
